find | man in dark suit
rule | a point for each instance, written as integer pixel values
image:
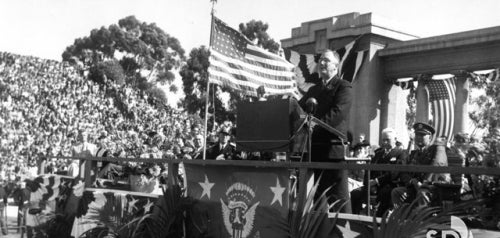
(382, 181)
(333, 96)
(21, 197)
(223, 150)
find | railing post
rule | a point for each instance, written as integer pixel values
(173, 173)
(87, 173)
(306, 178)
(368, 190)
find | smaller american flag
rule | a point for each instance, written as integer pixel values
(237, 63)
(442, 99)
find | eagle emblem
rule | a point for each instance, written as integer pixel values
(238, 216)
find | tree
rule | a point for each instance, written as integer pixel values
(487, 112)
(194, 80)
(107, 70)
(195, 75)
(487, 115)
(145, 53)
(258, 30)
(411, 111)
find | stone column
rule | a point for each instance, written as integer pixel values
(422, 100)
(462, 101)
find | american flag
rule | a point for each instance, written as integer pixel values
(442, 99)
(237, 63)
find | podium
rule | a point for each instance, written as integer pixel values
(279, 125)
(269, 126)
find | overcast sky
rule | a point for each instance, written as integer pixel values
(44, 28)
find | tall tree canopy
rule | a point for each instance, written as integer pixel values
(194, 76)
(143, 51)
(257, 30)
(487, 115)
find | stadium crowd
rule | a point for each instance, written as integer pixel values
(46, 104)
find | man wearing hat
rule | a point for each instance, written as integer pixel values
(223, 150)
(424, 154)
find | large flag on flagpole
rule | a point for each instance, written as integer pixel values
(442, 98)
(237, 63)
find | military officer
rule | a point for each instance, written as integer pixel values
(417, 184)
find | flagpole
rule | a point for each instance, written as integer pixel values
(207, 95)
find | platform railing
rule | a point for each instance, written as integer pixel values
(304, 168)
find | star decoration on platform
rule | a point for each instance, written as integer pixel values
(148, 206)
(66, 183)
(278, 193)
(347, 232)
(207, 186)
(131, 204)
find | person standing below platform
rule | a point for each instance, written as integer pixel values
(334, 97)
(21, 197)
(3, 206)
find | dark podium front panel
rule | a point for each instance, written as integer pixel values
(268, 125)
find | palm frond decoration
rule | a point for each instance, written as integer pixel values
(60, 226)
(312, 220)
(166, 220)
(409, 220)
(112, 218)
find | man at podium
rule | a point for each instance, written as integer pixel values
(330, 101)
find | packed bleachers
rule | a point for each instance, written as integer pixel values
(44, 104)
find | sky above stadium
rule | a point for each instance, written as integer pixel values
(44, 28)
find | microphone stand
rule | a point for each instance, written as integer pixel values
(309, 136)
(309, 120)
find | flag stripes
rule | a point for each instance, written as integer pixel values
(442, 99)
(251, 71)
(236, 63)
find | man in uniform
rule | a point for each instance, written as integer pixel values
(334, 98)
(417, 185)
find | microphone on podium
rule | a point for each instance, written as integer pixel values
(311, 105)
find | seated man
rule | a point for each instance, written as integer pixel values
(383, 181)
(418, 185)
(223, 150)
(198, 147)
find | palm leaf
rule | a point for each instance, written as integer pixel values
(166, 218)
(409, 220)
(108, 215)
(60, 226)
(311, 220)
